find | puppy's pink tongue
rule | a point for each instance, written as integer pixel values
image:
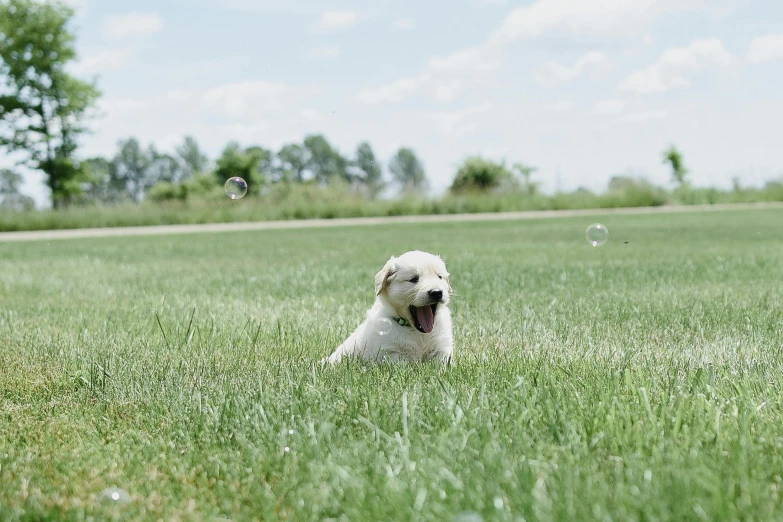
(426, 318)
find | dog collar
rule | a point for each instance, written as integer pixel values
(401, 321)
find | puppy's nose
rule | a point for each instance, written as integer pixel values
(436, 294)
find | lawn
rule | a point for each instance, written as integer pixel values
(636, 381)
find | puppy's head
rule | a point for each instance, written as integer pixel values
(415, 284)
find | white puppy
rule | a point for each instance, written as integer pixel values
(410, 320)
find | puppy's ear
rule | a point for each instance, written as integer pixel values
(386, 275)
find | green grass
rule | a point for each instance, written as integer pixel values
(311, 202)
(636, 381)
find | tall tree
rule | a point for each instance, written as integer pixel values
(163, 167)
(264, 160)
(369, 169)
(42, 107)
(104, 186)
(10, 182)
(526, 172)
(408, 171)
(324, 161)
(191, 157)
(673, 158)
(236, 161)
(137, 169)
(11, 196)
(292, 162)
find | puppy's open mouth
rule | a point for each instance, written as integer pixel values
(424, 317)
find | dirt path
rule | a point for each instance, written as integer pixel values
(47, 235)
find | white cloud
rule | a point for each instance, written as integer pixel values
(299, 8)
(643, 116)
(601, 18)
(404, 24)
(593, 63)
(329, 51)
(391, 93)
(239, 102)
(103, 61)
(338, 19)
(459, 123)
(468, 61)
(445, 79)
(674, 68)
(560, 106)
(608, 107)
(766, 48)
(254, 112)
(132, 24)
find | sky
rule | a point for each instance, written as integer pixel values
(582, 90)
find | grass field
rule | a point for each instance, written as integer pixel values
(310, 202)
(636, 381)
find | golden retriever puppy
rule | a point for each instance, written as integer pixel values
(410, 320)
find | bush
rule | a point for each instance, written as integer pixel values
(633, 192)
(164, 191)
(477, 174)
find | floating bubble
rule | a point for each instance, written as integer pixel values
(384, 326)
(236, 187)
(113, 496)
(597, 234)
(286, 449)
(291, 432)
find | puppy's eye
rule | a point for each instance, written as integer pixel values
(440, 277)
(414, 279)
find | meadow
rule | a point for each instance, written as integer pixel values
(640, 380)
(293, 202)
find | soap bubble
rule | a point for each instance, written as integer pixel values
(113, 496)
(384, 326)
(236, 187)
(597, 234)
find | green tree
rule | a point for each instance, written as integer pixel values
(236, 161)
(103, 186)
(264, 160)
(526, 173)
(191, 158)
(10, 182)
(325, 162)
(137, 169)
(163, 167)
(673, 158)
(42, 107)
(292, 162)
(407, 171)
(11, 196)
(370, 174)
(129, 168)
(477, 174)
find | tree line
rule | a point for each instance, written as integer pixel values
(135, 172)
